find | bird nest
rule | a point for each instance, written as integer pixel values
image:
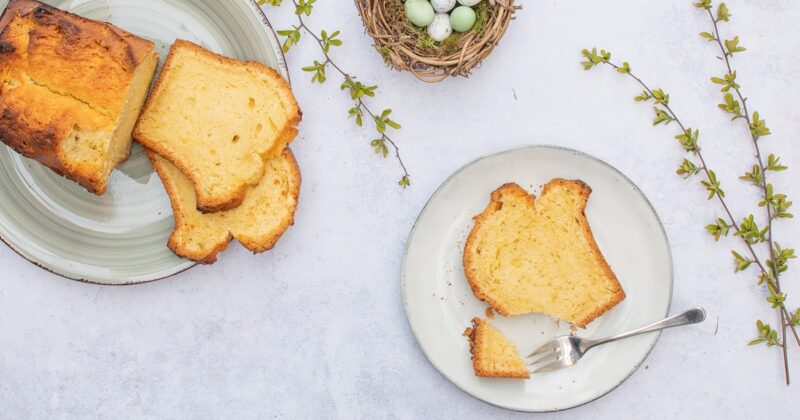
(406, 47)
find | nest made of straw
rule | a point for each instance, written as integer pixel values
(407, 47)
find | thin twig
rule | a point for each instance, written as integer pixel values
(361, 104)
(763, 187)
(731, 219)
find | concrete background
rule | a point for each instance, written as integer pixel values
(315, 328)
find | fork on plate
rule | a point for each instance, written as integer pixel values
(567, 350)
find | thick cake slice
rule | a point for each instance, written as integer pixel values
(70, 90)
(493, 356)
(266, 212)
(217, 119)
(538, 255)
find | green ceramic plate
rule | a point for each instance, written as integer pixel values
(121, 237)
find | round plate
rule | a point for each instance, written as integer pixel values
(439, 303)
(121, 237)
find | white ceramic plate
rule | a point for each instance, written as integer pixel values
(439, 303)
(121, 237)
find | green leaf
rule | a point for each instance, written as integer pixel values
(645, 96)
(758, 127)
(713, 186)
(732, 46)
(719, 229)
(708, 36)
(275, 3)
(703, 4)
(319, 71)
(357, 89)
(731, 106)
(292, 38)
(774, 298)
(661, 117)
(687, 169)
(766, 335)
(773, 164)
(728, 81)
(742, 263)
(750, 232)
(380, 146)
(796, 318)
(723, 15)
(689, 140)
(755, 177)
(355, 112)
(782, 257)
(593, 58)
(624, 68)
(404, 181)
(660, 97)
(304, 7)
(329, 41)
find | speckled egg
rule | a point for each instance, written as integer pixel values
(443, 6)
(469, 3)
(440, 28)
(419, 12)
(462, 19)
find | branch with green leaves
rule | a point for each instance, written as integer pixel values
(746, 229)
(357, 90)
(775, 204)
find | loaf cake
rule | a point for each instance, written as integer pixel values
(493, 356)
(218, 120)
(70, 90)
(264, 215)
(528, 255)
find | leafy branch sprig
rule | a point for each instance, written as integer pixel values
(748, 231)
(358, 90)
(775, 204)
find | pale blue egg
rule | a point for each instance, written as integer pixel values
(462, 19)
(419, 12)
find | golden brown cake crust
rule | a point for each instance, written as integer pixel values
(61, 73)
(496, 203)
(260, 245)
(288, 132)
(476, 336)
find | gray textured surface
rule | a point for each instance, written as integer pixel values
(315, 328)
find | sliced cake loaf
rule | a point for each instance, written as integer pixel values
(493, 356)
(70, 90)
(218, 120)
(266, 212)
(539, 255)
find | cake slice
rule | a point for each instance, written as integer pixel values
(218, 120)
(539, 255)
(493, 356)
(70, 90)
(264, 215)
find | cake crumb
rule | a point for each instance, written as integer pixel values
(489, 313)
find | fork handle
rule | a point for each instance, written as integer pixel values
(691, 316)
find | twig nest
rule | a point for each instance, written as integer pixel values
(438, 47)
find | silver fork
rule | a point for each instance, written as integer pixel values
(567, 350)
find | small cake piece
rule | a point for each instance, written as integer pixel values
(70, 90)
(539, 255)
(265, 214)
(218, 120)
(493, 356)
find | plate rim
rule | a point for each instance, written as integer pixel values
(510, 150)
(132, 281)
